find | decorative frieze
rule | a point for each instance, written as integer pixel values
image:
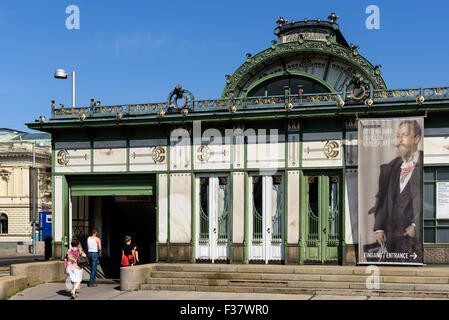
(72, 157)
(321, 149)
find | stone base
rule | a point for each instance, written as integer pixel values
(351, 255)
(162, 252)
(292, 255)
(180, 253)
(58, 251)
(237, 254)
(436, 255)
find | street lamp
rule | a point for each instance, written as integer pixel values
(62, 74)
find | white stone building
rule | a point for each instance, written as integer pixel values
(16, 184)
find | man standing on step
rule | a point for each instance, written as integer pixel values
(93, 248)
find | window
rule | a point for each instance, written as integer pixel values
(275, 87)
(3, 223)
(436, 218)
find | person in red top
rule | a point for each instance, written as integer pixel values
(128, 255)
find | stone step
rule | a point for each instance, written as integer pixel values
(297, 284)
(288, 269)
(215, 282)
(307, 291)
(296, 277)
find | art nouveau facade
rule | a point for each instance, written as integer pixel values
(265, 174)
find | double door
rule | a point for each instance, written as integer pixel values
(213, 218)
(266, 220)
(321, 218)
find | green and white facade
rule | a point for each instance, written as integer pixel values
(265, 174)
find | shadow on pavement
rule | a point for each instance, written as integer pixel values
(64, 293)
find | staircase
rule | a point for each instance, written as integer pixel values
(420, 282)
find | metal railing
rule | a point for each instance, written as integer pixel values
(280, 102)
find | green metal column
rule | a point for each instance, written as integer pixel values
(342, 219)
(231, 213)
(157, 218)
(65, 215)
(246, 221)
(303, 214)
(285, 215)
(324, 216)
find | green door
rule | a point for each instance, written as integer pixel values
(321, 215)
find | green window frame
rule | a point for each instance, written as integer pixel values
(435, 230)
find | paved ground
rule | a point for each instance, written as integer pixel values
(111, 291)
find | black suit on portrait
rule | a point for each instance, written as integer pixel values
(394, 210)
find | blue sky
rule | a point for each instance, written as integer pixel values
(137, 51)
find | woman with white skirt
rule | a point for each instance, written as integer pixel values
(73, 269)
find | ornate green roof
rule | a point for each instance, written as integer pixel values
(319, 43)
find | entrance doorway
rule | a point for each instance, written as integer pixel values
(116, 205)
(321, 217)
(212, 218)
(266, 221)
(116, 217)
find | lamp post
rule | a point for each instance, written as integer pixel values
(34, 198)
(62, 74)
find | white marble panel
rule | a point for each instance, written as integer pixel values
(351, 149)
(162, 203)
(266, 154)
(180, 208)
(351, 207)
(322, 149)
(58, 208)
(109, 156)
(238, 207)
(293, 150)
(72, 157)
(148, 155)
(436, 150)
(215, 155)
(293, 207)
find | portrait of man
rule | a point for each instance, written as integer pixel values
(398, 206)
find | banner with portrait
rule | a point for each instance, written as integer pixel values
(390, 190)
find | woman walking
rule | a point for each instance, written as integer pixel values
(73, 269)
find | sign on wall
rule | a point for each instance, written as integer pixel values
(443, 200)
(390, 197)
